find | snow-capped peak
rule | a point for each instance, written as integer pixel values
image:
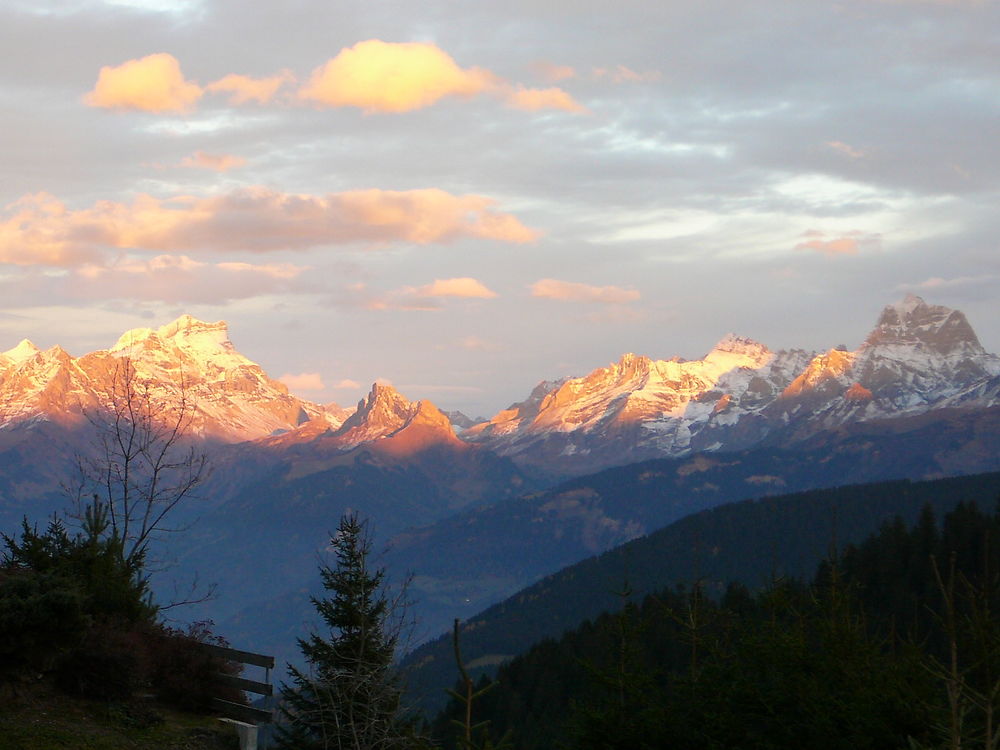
(911, 321)
(187, 332)
(22, 352)
(740, 351)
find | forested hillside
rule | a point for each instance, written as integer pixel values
(894, 643)
(751, 542)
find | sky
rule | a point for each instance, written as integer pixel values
(465, 198)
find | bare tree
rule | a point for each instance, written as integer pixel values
(143, 465)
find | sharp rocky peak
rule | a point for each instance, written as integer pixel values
(911, 321)
(383, 405)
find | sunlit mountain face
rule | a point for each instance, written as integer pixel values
(917, 357)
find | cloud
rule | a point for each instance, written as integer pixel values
(936, 282)
(172, 279)
(305, 381)
(373, 75)
(554, 73)
(424, 298)
(570, 291)
(377, 76)
(623, 74)
(214, 162)
(179, 279)
(473, 343)
(845, 149)
(850, 243)
(243, 89)
(460, 287)
(41, 230)
(151, 84)
(533, 100)
(345, 384)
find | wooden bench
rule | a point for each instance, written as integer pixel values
(245, 719)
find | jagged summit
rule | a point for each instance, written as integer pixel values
(384, 408)
(385, 412)
(742, 345)
(911, 321)
(918, 357)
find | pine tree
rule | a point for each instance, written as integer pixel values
(349, 696)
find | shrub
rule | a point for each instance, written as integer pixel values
(184, 675)
(41, 617)
(110, 663)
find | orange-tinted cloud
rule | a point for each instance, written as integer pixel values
(152, 84)
(850, 243)
(40, 230)
(346, 383)
(243, 89)
(424, 298)
(460, 287)
(305, 381)
(178, 279)
(554, 73)
(215, 162)
(378, 76)
(533, 100)
(571, 291)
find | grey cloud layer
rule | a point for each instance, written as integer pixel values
(693, 188)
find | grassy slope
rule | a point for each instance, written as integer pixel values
(40, 718)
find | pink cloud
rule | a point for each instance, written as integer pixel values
(214, 162)
(179, 279)
(850, 243)
(623, 74)
(305, 381)
(152, 84)
(554, 73)
(845, 149)
(345, 384)
(243, 89)
(424, 298)
(460, 287)
(39, 229)
(534, 100)
(570, 291)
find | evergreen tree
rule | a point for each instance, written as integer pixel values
(349, 697)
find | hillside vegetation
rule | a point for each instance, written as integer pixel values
(749, 542)
(894, 643)
(85, 661)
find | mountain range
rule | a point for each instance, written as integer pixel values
(477, 509)
(917, 358)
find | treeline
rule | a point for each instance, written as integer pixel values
(894, 643)
(752, 541)
(75, 609)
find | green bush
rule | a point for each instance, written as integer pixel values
(110, 663)
(41, 617)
